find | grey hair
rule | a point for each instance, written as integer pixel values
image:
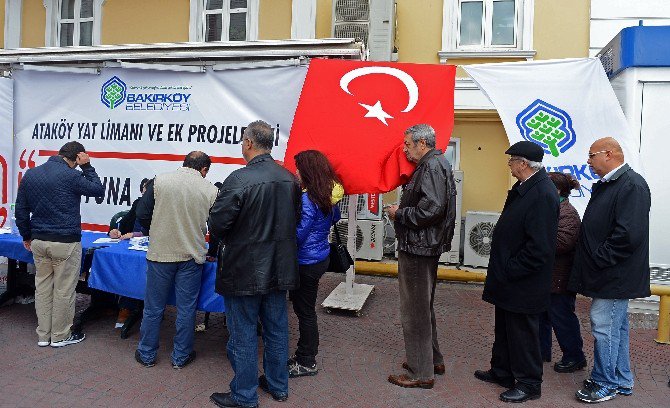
(532, 164)
(422, 131)
(261, 134)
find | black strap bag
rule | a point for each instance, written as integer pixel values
(340, 260)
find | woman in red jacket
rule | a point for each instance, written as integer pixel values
(561, 315)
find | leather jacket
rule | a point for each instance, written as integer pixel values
(425, 220)
(255, 216)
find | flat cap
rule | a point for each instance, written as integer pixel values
(527, 150)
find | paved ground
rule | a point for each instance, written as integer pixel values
(356, 356)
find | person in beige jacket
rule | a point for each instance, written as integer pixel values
(174, 210)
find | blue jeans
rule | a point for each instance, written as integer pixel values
(561, 317)
(611, 361)
(242, 314)
(161, 277)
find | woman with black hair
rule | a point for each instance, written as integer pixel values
(321, 192)
(561, 314)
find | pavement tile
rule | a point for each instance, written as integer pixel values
(356, 356)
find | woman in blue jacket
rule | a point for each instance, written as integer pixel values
(321, 192)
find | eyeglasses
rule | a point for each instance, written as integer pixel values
(594, 153)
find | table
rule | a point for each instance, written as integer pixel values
(115, 269)
(11, 246)
(123, 271)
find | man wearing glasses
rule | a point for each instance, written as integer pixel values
(518, 281)
(612, 266)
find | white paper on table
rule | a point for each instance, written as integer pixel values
(138, 248)
(105, 240)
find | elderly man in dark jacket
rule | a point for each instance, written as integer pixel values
(49, 220)
(612, 266)
(519, 274)
(424, 225)
(255, 216)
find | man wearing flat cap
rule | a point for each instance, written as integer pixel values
(518, 281)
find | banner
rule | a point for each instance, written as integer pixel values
(562, 105)
(357, 112)
(138, 123)
(6, 138)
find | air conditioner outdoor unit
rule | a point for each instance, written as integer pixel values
(369, 238)
(478, 233)
(368, 207)
(453, 256)
(369, 21)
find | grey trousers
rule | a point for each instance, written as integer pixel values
(417, 276)
(57, 266)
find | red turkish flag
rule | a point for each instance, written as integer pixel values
(356, 113)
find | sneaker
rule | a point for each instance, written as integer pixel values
(75, 337)
(277, 396)
(298, 370)
(595, 393)
(122, 317)
(43, 343)
(138, 358)
(625, 391)
(291, 360)
(189, 360)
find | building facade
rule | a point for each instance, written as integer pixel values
(455, 32)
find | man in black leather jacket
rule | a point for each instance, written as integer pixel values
(424, 225)
(255, 216)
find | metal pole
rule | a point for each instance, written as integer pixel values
(351, 243)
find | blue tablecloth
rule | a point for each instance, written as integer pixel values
(123, 271)
(11, 245)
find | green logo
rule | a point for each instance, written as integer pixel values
(113, 92)
(548, 126)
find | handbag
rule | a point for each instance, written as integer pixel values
(340, 260)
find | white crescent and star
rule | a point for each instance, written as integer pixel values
(376, 110)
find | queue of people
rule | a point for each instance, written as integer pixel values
(271, 228)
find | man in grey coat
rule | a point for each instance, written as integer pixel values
(424, 225)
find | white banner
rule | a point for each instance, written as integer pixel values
(562, 105)
(6, 138)
(138, 123)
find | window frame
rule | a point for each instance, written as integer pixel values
(199, 12)
(54, 21)
(523, 32)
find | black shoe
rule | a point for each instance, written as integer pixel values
(189, 360)
(569, 366)
(224, 400)
(277, 396)
(517, 395)
(488, 376)
(74, 338)
(138, 358)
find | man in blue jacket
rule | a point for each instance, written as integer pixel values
(612, 266)
(49, 221)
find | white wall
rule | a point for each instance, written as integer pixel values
(608, 17)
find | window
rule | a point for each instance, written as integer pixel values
(73, 22)
(487, 23)
(487, 28)
(224, 20)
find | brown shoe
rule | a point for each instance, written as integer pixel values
(437, 368)
(403, 380)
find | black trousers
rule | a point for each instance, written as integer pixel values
(561, 317)
(304, 303)
(516, 349)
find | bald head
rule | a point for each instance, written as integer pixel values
(605, 155)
